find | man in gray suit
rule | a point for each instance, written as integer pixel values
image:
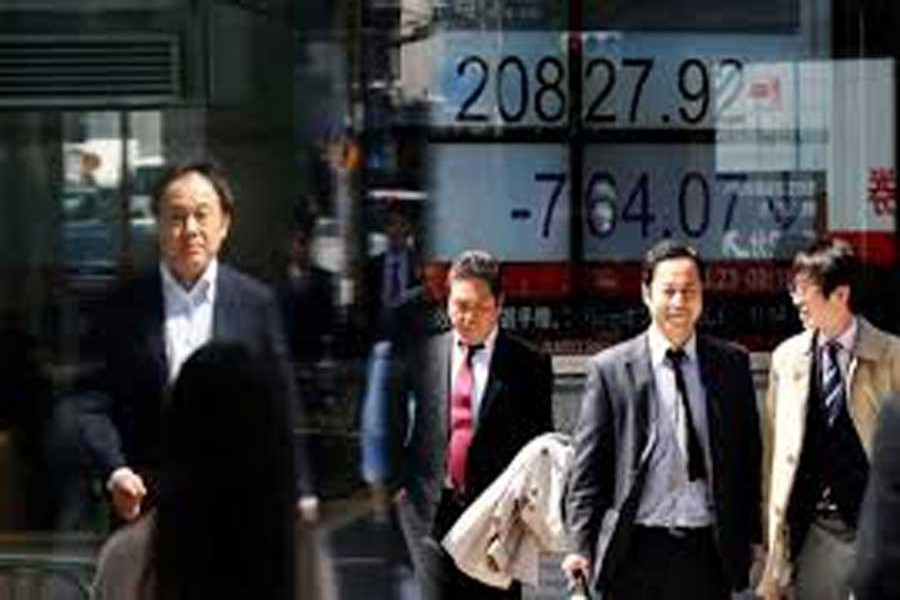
(664, 495)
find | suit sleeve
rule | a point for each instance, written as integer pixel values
(303, 474)
(98, 434)
(544, 393)
(753, 451)
(402, 391)
(100, 412)
(592, 478)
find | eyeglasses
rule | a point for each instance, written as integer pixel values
(802, 287)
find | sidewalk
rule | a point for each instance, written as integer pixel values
(365, 559)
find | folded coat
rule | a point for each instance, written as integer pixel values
(499, 538)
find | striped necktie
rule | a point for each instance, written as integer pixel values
(834, 393)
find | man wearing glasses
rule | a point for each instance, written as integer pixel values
(825, 391)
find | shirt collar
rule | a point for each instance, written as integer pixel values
(659, 343)
(203, 289)
(846, 339)
(488, 343)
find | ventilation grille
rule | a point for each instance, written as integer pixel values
(95, 70)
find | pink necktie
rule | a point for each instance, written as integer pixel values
(461, 422)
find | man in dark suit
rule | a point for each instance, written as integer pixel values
(877, 575)
(307, 299)
(153, 323)
(390, 274)
(480, 395)
(664, 496)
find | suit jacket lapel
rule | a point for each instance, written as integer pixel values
(153, 325)
(805, 379)
(646, 409)
(496, 379)
(714, 388)
(440, 373)
(224, 317)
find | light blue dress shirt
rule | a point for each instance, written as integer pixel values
(669, 499)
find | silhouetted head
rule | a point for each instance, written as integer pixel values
(224, 519)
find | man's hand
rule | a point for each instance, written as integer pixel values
(128, 491)
(758, 565)
(575, 564)
(782, 593)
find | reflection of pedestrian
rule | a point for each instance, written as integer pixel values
(391, 273)
(407, 325)
(223, 526)
(663, 499)
(825, 390)
(152, 324)
(479, 395)
(306, 296)
(877, 575)
(89, 163)
(306, 299)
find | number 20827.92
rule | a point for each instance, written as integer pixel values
(523, 89)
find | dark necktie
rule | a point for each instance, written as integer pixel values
(461, 418)
(395, 285)
(695, 463)
(833, 391)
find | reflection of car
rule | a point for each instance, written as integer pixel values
(88, 247)
(92, 227)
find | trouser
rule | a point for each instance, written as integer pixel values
(826, 561)
(437, 575)
(676, 564)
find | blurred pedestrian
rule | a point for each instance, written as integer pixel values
(877, 570)
(223, 525)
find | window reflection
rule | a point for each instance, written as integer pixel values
(107, 222)
(563, 137)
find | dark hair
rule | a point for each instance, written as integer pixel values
(477, 264)
(667, 250)
(830, 263)
(224, 525)
(210, 171)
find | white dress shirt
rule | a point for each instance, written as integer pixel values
(481, 364)
(846, 342)
(187, 325)
(669, 498)
(188, 314)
